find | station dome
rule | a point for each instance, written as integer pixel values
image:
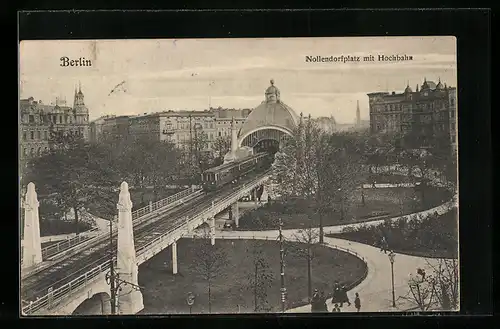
(271, 113)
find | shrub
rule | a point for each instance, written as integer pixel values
(436, 232)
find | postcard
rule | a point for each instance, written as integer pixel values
(233, 176)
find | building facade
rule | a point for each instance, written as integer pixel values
(40, 122)
(181, 127)
(96, 129)
(425, 113)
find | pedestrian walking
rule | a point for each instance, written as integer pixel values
(343, 296)
(324, 308)
(315, 302)
(383, 245)
(357, 302)
(336, 308)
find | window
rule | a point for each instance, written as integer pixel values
(24, 135)
(32, 152)
(60, 119)
(452, 114)
(45, 135)
(220, 134)
(38, 135)
(32, 134)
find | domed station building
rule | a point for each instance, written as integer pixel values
(268, 123)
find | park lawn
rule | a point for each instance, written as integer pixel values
(386, 178)
(165, 293)
(432, 238)
(383, 201)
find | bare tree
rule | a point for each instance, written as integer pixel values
(421, 291)
(209, 262)
(309, 238)
(440, 288)
(260, 279)
(446, 283)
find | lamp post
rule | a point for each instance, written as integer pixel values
(282, 263)
(392, 256)
(362, 194)
(341, 204)
(112, 277)
(197, 126)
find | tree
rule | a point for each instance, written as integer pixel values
(260, 279)
(319, 167)
(73, 175)
(421, 291)
(446, 283)
(309, 238)
(343, 169)
(199, 145)
(209, 262)
(221, 146)
(440, 288)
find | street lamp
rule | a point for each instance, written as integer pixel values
(362, 194)
(392, 256)
(282, 263)
(341, 204)
(112, 277)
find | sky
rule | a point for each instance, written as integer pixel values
(163, 74)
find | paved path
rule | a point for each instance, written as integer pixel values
(375, 290)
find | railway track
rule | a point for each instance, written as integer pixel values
(63, 272)
(60, 274)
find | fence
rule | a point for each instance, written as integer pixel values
(94, 232)
(55, 296)
(58, 294)
(274, 238)
(188, 224)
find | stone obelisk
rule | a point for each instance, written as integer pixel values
(129, 298)
(32, 248)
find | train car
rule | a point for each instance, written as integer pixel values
(214, 178)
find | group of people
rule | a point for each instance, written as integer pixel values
(339, 297)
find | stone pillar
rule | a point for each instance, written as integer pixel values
(174, 257)
(212, 231)
(150, 206)
(235, 210)
(32, 246)
(129, 299)
(255, 195)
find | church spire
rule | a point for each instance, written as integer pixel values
(358, 114)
